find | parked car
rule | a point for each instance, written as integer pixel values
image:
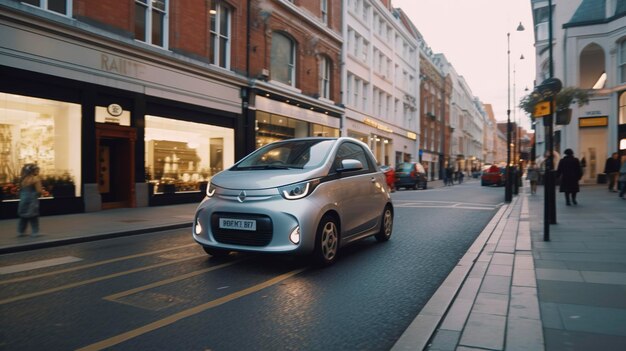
(493, 175)
(411, 175)
(390, 176)
(298, 196)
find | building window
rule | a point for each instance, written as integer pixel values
(283, 59)
(151, 21)
(325, 77)
(182, 156)
(622, 61)
(219, 51)
(63, 7)
(324, 10)
(44, 132)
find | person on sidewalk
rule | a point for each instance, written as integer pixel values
(611, 168)
(532, 174)
(622, 179)
(570, 172)
(28, 208)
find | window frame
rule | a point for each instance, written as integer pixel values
(324, 11)
(324, 77)
(216, 35)
(621, 64)
(291, 65)
(44, 5)
(149, 8)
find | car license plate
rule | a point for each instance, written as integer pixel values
(238, 224)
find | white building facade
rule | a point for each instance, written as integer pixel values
(380, 80)
(589, 52)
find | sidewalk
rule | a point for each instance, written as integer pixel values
(81, 227)
(514, 291)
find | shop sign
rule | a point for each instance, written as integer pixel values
(377, 125)
(411, 135)
(593, 122)
(114, 114)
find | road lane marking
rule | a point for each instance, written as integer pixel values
(94, 280)
(38, 264)
(110, 342)
(169, 281)
(95, 264)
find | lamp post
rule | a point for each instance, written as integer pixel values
(508, 191)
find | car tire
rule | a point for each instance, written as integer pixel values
(386, 225)
(482, 183)
(414, 187)
(425, 185)
(216, 253)
(326, 241)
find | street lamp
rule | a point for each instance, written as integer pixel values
(508, 193)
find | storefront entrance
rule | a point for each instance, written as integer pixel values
(115, 165)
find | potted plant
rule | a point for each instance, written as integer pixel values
(563, 100)
(60, 186)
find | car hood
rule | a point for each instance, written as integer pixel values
(263, 179)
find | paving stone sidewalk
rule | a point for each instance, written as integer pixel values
(513, 290)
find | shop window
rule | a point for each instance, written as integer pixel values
(44, 132)
(283, 59)
(219, 51)
(151, 21)
(62, 7)
(183, 156)
(324, 131)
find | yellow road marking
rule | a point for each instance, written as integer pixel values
(168, 281)
(94, 280)
(95, 264)
(187, 313)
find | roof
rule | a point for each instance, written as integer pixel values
(593, 12)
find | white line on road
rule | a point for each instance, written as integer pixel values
(38, 264)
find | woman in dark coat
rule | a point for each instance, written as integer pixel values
(570, 172)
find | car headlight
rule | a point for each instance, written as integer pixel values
(210, 190)
(298, 190)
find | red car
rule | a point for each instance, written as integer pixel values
(390, 177)
(493, 175)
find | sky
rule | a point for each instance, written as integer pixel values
(472, 34)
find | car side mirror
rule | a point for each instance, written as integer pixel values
(350, 165)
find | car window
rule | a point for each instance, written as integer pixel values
(351, 151)
(288, 154)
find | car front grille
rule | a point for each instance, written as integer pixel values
(261, 237)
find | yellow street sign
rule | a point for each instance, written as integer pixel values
(542, 109)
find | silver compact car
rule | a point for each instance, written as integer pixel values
(298, 196)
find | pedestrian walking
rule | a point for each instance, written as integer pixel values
(449, 173)
(28, 207)
(611, 168)
(622, 179)
(570, 172)
(532, 174)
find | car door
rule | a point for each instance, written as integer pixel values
(359, 201)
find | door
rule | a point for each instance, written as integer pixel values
(115, 165)
(592, 143)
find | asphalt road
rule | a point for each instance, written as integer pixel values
(160, 291)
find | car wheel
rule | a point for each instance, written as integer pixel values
(386, 225)
(217, 253)
(425, 185)
(414, 187)
(326, 241)
(482, 183)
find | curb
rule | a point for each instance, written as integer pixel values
(88, 238)
(421, 330)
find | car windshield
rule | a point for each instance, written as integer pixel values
(288, 154)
